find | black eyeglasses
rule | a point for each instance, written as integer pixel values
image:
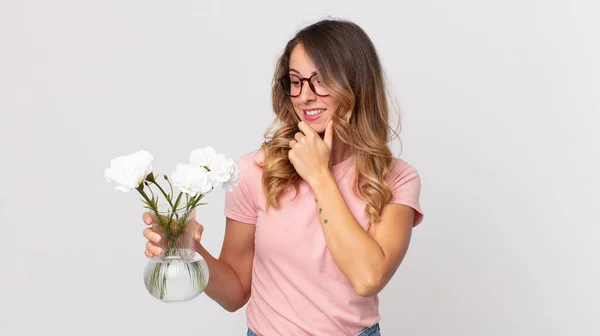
(292, 85)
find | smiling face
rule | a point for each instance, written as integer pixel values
(314, 109)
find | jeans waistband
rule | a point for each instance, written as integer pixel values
(374, 330)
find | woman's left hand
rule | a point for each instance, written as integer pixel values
(309, 153)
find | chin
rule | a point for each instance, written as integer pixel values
(319, 129)
(318, 125)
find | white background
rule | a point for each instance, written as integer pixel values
(500, 105)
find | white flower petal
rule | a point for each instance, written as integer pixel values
(129, 171)
(202, 156)
(191, 179)
(224, 172)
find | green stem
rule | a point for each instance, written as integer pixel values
(189, 202)
(170, 185)
(149, 188)
(176, 205)
(164, 193)
(195, 202)
(152, 205)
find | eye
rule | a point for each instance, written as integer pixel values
(294, 81)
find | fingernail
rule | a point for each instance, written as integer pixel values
(157, 251)
(156, 238)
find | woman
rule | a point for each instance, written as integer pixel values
(323, 214)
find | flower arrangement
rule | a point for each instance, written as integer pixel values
(207, 169)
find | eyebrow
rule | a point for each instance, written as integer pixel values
(298, 72)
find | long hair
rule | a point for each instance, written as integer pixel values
(349, 66)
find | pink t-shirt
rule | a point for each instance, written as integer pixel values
(297, 288)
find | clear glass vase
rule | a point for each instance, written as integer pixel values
(179, 273)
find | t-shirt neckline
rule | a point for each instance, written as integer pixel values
(343, 166)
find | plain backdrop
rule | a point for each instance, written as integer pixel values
(500, 109)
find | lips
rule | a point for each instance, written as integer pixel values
(313, 112)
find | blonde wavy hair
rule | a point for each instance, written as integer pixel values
(349, 66)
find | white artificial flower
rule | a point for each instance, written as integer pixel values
(129, 171)
(223, 171)
(191, 179)
(202, 156)
(234, 178)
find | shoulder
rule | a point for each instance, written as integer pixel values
(405, 182)
(251, 159)
(250, 177)
(248, 166)
(402, 168)
(404, 176)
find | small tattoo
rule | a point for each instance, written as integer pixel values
(326, 221)
(320, 210)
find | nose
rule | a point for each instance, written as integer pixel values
(307, 94)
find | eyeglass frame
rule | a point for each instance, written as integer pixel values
(302, 79)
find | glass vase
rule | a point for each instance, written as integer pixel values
(179, 273)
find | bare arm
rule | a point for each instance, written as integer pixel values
(368, 259)
(230, 275)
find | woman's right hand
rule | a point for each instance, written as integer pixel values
(154, 245)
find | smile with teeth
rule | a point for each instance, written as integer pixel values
(314, 112)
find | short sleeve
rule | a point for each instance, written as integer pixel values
(406, 188)
(240, 202)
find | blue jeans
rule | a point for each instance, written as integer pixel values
(372, 331)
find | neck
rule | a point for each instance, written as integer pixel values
(339, 152)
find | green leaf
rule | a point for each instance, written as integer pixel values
(144, 201)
